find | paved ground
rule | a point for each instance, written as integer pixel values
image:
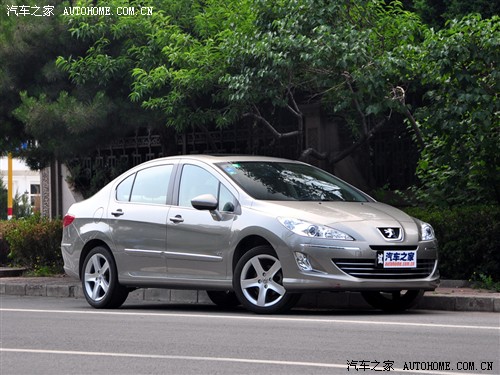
(450, 296)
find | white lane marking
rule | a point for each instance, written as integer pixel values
(213, 359)
(176, 357)
(260, 318)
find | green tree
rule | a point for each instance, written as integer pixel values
(256, 58)
(23, 49)
(21, 206)
(460, 112)
(60, 118)
(437, 12)
(171, 60)
(3, 200)
(199, 63)
(28, 49)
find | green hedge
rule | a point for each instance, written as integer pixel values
(469, 240)
(33, 242)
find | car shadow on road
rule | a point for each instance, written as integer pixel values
(296, 312)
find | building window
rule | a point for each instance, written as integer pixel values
(35, 197)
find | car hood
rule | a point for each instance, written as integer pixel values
(335, 212)
(361, 220)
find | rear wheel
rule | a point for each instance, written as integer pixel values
(100, 280)
(258, 282)
(223, 298)
(398, 300)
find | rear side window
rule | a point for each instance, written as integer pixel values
(123, 190)
(149, 185)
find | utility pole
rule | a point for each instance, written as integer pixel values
(9, 186)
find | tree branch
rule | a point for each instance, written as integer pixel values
(418, 134)
(295, 109)
(348, 78)
(271, 128)
(399, 94)
(314, 153)
(335, 158)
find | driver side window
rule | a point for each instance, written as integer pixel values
(197, 181)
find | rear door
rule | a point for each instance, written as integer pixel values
(138, 220)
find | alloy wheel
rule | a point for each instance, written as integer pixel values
(97, 277)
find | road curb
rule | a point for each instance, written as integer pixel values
(451, 300)
(11, 272)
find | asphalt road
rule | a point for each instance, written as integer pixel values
(41, 335)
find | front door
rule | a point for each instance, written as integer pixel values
(197, 243)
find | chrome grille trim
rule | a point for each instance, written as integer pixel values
(365, 269)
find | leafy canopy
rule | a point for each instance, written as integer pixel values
(197, 63)
(460, 112)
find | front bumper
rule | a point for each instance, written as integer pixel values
(354, 268)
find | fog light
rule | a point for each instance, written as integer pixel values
(303, 261)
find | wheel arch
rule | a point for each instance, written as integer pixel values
(247, 244)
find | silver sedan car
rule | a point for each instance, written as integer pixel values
(255, 231)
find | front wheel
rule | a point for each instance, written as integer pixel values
(258, 282)
(394, 301)
(100, 280)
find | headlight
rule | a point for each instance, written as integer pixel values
(303, 228)
(427, 232)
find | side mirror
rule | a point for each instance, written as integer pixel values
(207, 202)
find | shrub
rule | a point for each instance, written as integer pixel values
(5, 227)
(469, 239)
(35, 242)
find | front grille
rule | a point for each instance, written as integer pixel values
(393, 247)
(365, 269)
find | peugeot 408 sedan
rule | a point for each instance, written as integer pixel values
(255, 231)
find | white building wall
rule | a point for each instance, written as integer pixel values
(69, 196)
(24, 180)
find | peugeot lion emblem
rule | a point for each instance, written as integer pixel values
(391, 234)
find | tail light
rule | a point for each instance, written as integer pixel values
(68, 219)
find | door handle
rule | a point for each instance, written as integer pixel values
(176, 219)
(117, 213)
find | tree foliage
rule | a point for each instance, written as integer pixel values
(3, 200)
(200, 63)
(59, 118)
(437, 13)
(460, 112)
(27, 53)
(222, 62)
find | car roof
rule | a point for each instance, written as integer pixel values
(221, 158)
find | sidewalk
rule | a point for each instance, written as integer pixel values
(450, 296)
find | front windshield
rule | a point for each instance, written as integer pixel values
(289, 182)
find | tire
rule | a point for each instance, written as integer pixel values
(395, 301)
(258, 282)
(100, 280)
(223, 298)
